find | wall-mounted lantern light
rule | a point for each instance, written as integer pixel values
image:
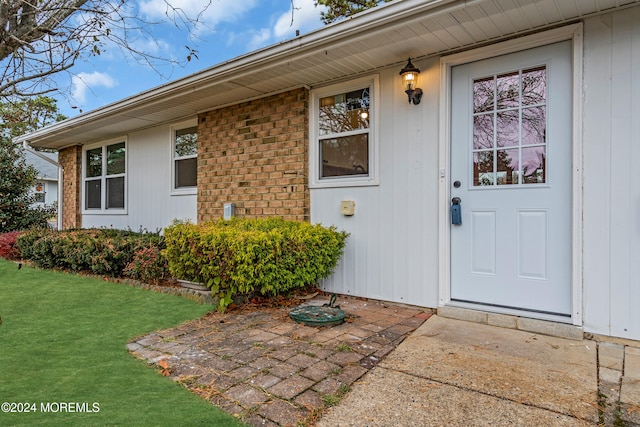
(409, 76)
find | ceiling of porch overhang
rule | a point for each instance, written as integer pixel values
(375, 39)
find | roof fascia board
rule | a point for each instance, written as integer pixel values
(272, 55)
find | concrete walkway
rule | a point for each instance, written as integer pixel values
(397, 369)
(456, 373)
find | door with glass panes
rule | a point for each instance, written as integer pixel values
(511, 156)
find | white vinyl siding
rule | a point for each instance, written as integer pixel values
(611, 158)
(151, 204)
(392, 250)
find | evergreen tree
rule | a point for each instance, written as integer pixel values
(17, 178)
(339, 9)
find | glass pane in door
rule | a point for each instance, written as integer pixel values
(509, 128)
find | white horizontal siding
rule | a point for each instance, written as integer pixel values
(150, 204)
(611, 160)
(392, 252)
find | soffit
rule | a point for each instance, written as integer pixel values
(378, 38)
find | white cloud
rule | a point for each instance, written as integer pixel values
(154, 46)
(259, 39)
(82, 82)
(209, 12)
(306, 17)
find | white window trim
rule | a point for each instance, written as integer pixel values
(43, 192)
(172, 137)
(314, 146)
(104, 210)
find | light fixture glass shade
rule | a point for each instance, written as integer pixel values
(409, 75)
(409, 80)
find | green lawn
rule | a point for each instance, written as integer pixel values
(62, 339)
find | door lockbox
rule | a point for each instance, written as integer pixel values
(456, 212)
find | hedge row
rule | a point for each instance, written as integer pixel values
(101, 251)
(239, 256)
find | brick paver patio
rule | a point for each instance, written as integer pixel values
(268, 370)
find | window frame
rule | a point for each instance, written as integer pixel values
(178, 191)
(371, 179)
(40, 194)
(103, 178)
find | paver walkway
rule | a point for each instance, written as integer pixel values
(267, 369)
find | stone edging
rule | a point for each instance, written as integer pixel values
(201, 297)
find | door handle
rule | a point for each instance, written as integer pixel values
(456, 212)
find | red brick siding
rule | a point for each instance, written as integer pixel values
(71, 161)
(255, 155)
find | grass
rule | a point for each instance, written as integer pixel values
(62, 339)
(343, 348)
(333, 399)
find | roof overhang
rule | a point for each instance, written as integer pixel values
(375, 39)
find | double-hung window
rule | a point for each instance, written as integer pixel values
(105, 177)
(185, 158)
(343, 145)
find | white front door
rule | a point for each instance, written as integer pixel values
(511, 151)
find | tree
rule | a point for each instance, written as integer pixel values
(39, 39)
(22, 115)
(340, 9)
(17, 178)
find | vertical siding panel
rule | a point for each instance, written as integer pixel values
(634, 162)
(611, 159)
(399, 164)
(621, 171)
(597, 174)
(374, 281)
(620, 138)
(428, 212)
(392, 133)
(396, 221)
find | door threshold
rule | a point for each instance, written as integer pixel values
(516, 311)
(556, 326)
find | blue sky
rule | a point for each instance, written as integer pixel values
(229, 28)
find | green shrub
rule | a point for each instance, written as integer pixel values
(148, 265)
(240, 256)
(100, 251)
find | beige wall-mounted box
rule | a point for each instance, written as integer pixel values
(347, 207)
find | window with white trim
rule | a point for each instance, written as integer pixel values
(185, 158)
(39, 193)
(343, 141)
(105, 177)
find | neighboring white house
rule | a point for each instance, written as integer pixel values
(46, 186)
(507, 189)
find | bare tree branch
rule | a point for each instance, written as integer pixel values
(39, 39)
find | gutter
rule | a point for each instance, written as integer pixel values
(270, 56)
(31, 150)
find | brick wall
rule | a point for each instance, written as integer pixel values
(71, 161)
(255, 155)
